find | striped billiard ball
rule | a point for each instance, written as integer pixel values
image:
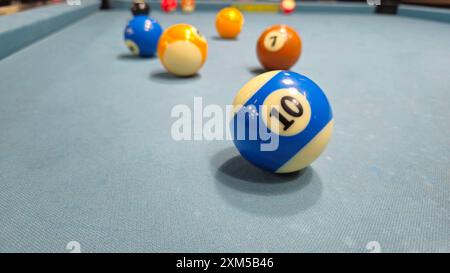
(182, 50)
(293, 110)
(142, 35)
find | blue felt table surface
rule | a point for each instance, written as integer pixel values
(26, 27)
(86, 152)
(27, 17)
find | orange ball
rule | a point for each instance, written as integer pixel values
(182, 50)
(279, 47)
(229, 22)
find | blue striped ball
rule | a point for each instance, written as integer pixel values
(282, 121)
(142, 35)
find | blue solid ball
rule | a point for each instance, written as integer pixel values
(142, 35)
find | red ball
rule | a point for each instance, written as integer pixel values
(287, 6)
(169, 5)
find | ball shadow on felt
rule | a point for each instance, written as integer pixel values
(257, 70)
(164, 76)
(256, 191)
(132, 57)
(218, 38)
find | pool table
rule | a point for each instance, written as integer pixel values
(88, 162)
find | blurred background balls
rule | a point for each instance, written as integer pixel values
(169, 5)
(229, 22)
(140, 7)
(287, 6)
(188, 6)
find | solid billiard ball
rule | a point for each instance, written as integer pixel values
(142, 35)
(279, 47)
(229, 22)
(140, 7)
(169, 5)
(182, 50)
(282, 121)
(287, 6)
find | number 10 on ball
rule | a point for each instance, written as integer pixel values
(295, 113)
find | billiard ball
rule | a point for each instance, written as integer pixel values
(229, 22)
(169, 5)
(287, 6)
(187, 6)
(140, 7)
(142, 35)
(279, 47)
(182, 50)
(293, 112)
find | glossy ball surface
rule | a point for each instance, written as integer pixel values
(142, 35)
(293, 112)
(229, 22)
(182, 50)
(279, 47)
